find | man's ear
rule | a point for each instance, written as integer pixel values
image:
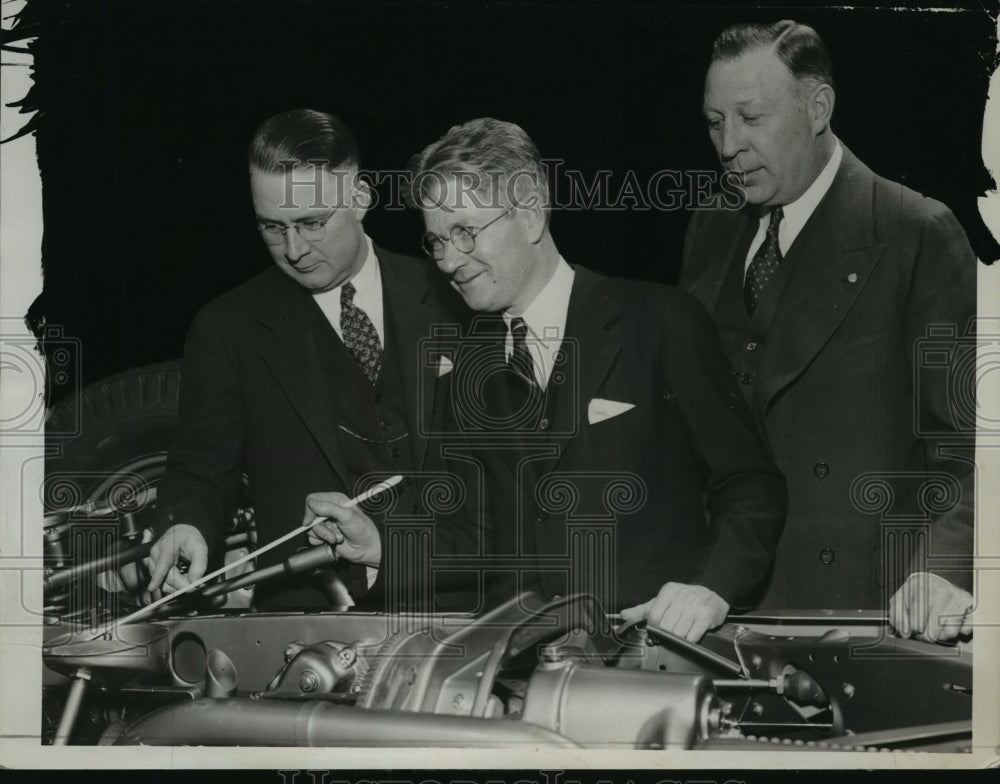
(536, 217)
(361, 199)
(821, 108)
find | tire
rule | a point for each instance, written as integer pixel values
(122, 425)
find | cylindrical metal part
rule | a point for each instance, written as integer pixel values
(784, 725)
(113, 560)
(220, 675)
(74, 699)
(598, 706)
(230, 722)
(237, 540)
(128, 526)
(55, 551)
(297, 563)
(748, 683)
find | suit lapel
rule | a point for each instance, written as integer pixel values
(833, 258)
(411, 321)
(725, 248)
(296, 347)
(591, 348)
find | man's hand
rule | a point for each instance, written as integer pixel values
(350, 532)
(685, 610)
(931, 608)
(178, 541)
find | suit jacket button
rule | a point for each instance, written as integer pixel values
(822, 470)
(826, 556)
(746, 378)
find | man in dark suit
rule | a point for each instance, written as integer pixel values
(305, 377)
(617, 455)
(824, 288)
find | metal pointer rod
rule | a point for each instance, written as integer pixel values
(142, 612)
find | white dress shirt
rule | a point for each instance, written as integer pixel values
(546, 321)
(797, 212)
(367, 296)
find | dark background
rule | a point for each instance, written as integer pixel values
(145, 109)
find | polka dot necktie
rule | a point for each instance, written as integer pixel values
(764, 264)
(360, 337)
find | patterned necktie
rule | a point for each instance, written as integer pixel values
(520, 358)
(360, 337)
(764, 265)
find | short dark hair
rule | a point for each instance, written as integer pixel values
(303, 136)
(498, 156)
(798, 46)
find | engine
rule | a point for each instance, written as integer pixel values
(559, 673)
(554, 674)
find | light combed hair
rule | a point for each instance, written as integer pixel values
(494, 159)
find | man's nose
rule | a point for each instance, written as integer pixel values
(732, 141)
(452, 260)
(295, 246)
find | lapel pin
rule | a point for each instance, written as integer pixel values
(852, 278)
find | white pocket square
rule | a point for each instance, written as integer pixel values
(599, 409)
(445, 366)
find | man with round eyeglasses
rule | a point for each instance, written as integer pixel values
(463, 238)
(617, 456)
(304, 378)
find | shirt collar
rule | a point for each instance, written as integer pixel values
(798, 212)
(367, 277)
(546, 315)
